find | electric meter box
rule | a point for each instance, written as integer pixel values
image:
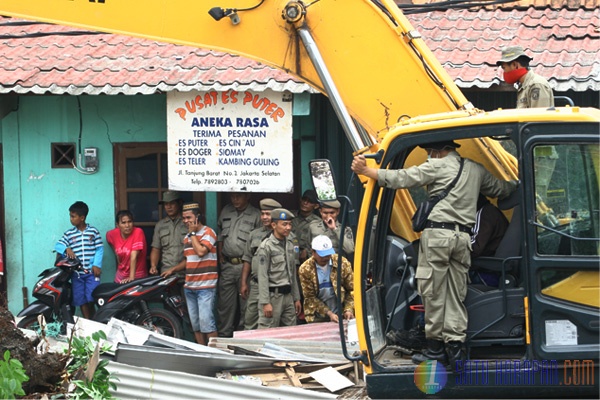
(90, 158)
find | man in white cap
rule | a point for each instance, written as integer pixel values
(318, 277)
(330, 227)
(533, 90)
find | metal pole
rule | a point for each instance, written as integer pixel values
(357, 141)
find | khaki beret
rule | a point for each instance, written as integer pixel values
(331, 204)
(282, 214)
(269, 204)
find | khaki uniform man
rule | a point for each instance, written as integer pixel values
(330, 227)
(235, 223)
(249, 284)
(533, 91)
(167, 241)
(275, 266)
(301, 224)
(445, 246)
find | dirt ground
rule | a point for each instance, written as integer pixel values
(44, 370)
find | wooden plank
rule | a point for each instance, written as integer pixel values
(291, 374)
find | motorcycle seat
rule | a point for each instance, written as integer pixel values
(112, 288)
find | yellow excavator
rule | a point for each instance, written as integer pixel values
(535, 334)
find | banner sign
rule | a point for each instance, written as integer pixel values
(229, 142)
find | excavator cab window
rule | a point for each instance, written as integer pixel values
(566, 186)
(567, 215)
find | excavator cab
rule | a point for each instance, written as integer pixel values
(547, 260)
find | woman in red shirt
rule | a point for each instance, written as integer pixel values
(129, 244)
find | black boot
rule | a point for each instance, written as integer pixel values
(413, 340)
(456, 352)
(434, 351)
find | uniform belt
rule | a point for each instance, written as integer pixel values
(285, 289)
(233, 260)
(449, 226)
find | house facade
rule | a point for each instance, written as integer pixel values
(65, 93)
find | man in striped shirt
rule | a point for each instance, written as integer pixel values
(84, 242)
(201, 276)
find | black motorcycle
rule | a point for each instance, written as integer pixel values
(127, 302)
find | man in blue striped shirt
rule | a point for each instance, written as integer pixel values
(84, 242)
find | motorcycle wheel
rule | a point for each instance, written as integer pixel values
(29, 322)
(162, 321)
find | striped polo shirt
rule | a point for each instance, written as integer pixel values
(86, 245)
(201, 272)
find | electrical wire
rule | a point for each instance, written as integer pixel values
(251, 8)
(448, 5)
(76, 165)
(43, 34)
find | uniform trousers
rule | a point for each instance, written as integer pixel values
(444, 261)
(230, 305)
(284, 312)
(251, 317)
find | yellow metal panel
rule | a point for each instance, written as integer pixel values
(582, 287)
(378, 74)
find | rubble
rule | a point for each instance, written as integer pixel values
(149, 364)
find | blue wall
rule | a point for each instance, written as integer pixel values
(37, 197)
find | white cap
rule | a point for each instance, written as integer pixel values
(322, 245)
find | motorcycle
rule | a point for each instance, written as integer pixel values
(127, 302)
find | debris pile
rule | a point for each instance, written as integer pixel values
(258, 364)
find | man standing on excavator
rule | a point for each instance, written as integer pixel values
(444, 250)
(533, 90)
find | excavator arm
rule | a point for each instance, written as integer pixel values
(376, 62)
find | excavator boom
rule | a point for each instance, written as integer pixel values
(380, 65)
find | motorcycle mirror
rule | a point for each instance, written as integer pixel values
(323, 179)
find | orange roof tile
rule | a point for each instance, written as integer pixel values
(564, 43)
(44, 58)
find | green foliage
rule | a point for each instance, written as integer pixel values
(82, 350)
(12, 376)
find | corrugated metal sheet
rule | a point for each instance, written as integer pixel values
(207, 364)
(147, 383)
(330, 351)
(326, 332)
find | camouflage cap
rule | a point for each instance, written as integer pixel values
(282, 214)
(511, 53)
